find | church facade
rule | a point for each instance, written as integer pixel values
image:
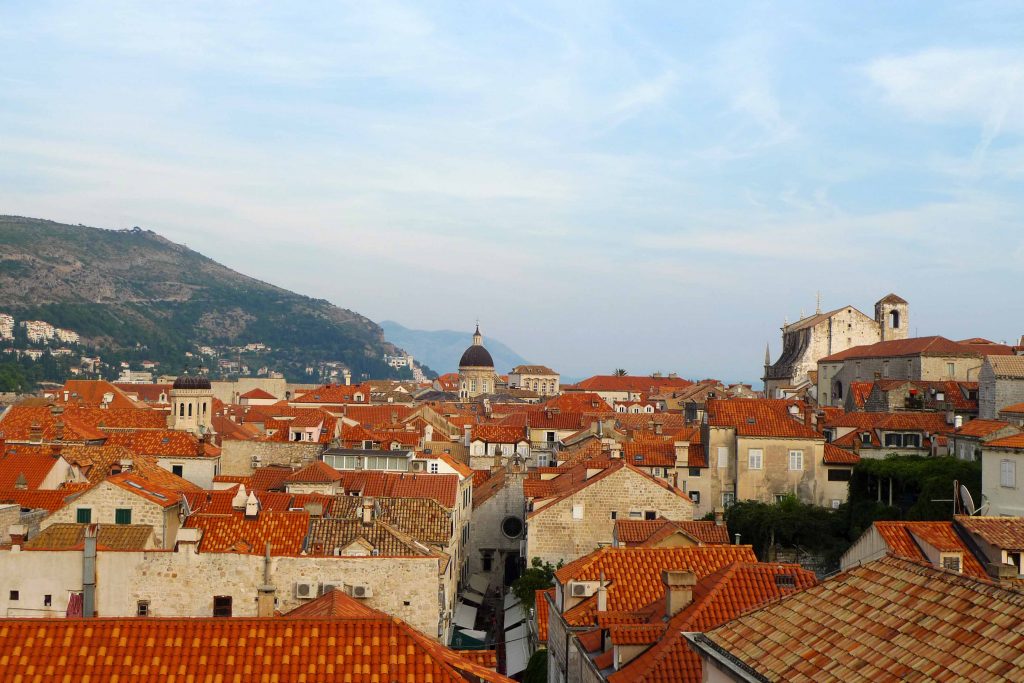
(476, 370)
(809, 339)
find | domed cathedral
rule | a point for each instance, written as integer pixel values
(476, 369)
(191, 405)
(817, 336)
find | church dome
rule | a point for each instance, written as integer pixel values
(191, 382)
(476, 356)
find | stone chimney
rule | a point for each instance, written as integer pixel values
(35, 433)
(315, 508)
(18, 534)
(719, 517)
(21, 483)
(58, 430)
(657, 428)
(368, 511)
(467, 434)
(679, 585)
(602, 594)
(809, 420)
(682, 453)
(238, 502)
(252, 506)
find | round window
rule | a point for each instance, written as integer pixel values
(512, 527)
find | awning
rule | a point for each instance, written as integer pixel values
(479, 582)
(517, 650)
(472, 597)
(465, 616)
(515, 615)
(465, 639)
(511, 599)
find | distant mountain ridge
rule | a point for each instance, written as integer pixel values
(442, 349)
(135, 295)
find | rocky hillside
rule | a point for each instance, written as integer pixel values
(442, 349)
(134, 295)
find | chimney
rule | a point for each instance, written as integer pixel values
(657, 428)
(21, 483)
(468, 432)
(35, 433)
(856, 443)
(616, 450)
(315, 508)
(682, 449)
(958, 421)
(367, 511)
(679, 585)
(238, 502)
(89, 571)
(58, 430)
(265, 593)
(18, 534)
(252, 506)
(808, 416)
(55, 451)
(719, 517)
(602, 594)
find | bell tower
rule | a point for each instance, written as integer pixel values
(892, 313)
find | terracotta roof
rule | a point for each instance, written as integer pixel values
(328, 536)
(258, 393)
(981, 428)
(154, 649)
(443, 488)
(650, 453)
(317, 472)
(636, 532)
(732, 590)
(1015, 409)
(834, 455)
(498, 434)
(20, 421)
(1007, 366)
(378, 416)
(1005, 533)
(90, 392)
(485, 658)
(423, 519)
(34, 462)
(888, 620)
(233, 533)
(268, 478)
(154, 493)
(149, 393)
(579, 402)
(540, 606)
(67, 536)
(1013, 441)
(759, 417)
(336, 604)
(163, 443)
(899, 536)
(634, 574)
(629, 383)
(916, 346)
(37, 500)
(484, 491)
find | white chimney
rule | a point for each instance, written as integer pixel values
(958, 421)
(252, 506)
(238, 502)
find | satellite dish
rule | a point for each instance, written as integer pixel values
(967, 500)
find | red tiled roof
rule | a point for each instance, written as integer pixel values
(540, 606)
(834, 455)
(491, 433)
(443, 488)
(579, 402)
(981, 428)
(163, 442)
(336, 604)
(258, 393)
(1005, 533)
(145, 489)
(1014, 441)
(233, 533)
(317, 472)
(635, 532)
(940, 535)
(629, 383)
(35, 462)
(888, 620)
(1015, 409)
(917, 346)
(759, 417)
(650, 453)
(33, 500)
(216, 649)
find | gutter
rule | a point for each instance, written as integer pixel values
(734, 666)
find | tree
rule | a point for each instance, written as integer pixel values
(538, 576)
(537, 667)
(788, 523)
(620, 372)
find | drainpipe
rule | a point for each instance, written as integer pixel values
(89, 572)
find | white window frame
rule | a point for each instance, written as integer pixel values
(799, 459)
(723, 457)
(1008, 473)
(577, 511)
(751, 453)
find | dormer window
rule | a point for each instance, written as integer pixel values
(951, 562)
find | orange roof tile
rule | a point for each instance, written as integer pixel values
(146, 489)
(834, 455)
(899, 536)
(34, 463)
(759, 417)
(336, 604)
(629, 383)
(159, 649)
(1005, 533)
(38, 500)
(981, 428)
(917, 346)
(632, 532)
(317, 472)
(234, 533)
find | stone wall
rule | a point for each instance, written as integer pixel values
(556, 534)
(994, 394)
(9, 515)
(236, 457)
(106, 498)
(487, 533)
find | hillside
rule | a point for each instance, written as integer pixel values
(133, 295)
(441, 349)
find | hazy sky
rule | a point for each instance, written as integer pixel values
(645, 185)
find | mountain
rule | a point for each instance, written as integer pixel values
(133, 295)
(442, 349)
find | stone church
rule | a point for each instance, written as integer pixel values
(822, 334)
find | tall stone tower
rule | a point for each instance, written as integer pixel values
(892, 313)
(191, 405)
(476, 369)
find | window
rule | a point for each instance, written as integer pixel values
(181, 410)
(894, 319)
(650, 515)
(635, 514)
(911, 440)
(487, 559)
(894, 439)
(723, 457)
(123, 516)
(190, 410)
(865, 438)
(838, 391)
(694, 471)
(472, 385)
(550, 437)
(951, 369)
(779, 497)
(142, 608)
(839, 475)
(433, 468)
(47, 600)
(178, 470)
(615, 514)
(14, 596)
(577, 511)
(951, 562)
(83, 515)
(885, 368)
(796, 460)
(222, 605)
(755, 458)
(694, 496)
(1008, 474)
(728, 498)
(836, 503)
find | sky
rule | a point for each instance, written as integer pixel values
(653, 186)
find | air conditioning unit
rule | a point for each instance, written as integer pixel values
(582, 589)
(326, 588)
(256, 460)
(305, 591)
(418, 465)
(359, 590)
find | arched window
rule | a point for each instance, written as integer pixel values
(190, 410)
(181, 410)
(838, 390)
(204, 407)
(894, 319)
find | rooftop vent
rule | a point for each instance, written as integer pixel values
(785, 580)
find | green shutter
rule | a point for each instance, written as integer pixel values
(84, 515)
(123, 516)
